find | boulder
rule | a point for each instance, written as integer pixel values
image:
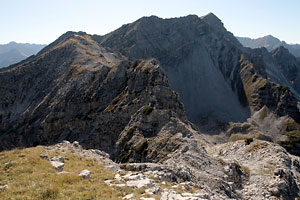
(112, 167)
(58, 159)
(153, 190)
(143, 198)
(129, 196)
(44, 156)
(140, 183)
(3, 187)
(76, 144)
(86, 174)
(59, 166)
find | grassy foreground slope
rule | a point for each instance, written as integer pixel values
(30, 177)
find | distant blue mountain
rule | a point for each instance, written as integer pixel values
(13, 52)
(271, 43)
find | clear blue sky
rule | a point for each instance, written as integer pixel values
(42, 21)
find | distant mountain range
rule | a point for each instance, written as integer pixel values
(13, 52)
(270, 42)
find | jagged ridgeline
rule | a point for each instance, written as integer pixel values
(134, 92)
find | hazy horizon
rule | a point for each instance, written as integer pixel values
(41, 22)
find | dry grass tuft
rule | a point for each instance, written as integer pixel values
(257, 146)
(236, 137)
(246, 170)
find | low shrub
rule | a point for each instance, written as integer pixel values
(147, 110)
(142, 149)
(246, 169)
(248, 140)
(236, 137)
(257, 146)
(49, 194)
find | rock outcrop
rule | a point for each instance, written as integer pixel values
(86, 174)
(271, 172)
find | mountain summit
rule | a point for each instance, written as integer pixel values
(213, 20)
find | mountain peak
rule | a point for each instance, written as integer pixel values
(212, 20)
(61, 38)
(283, 54)
(150, 17)
(271, 38)
(280, 49)
(210, 14)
